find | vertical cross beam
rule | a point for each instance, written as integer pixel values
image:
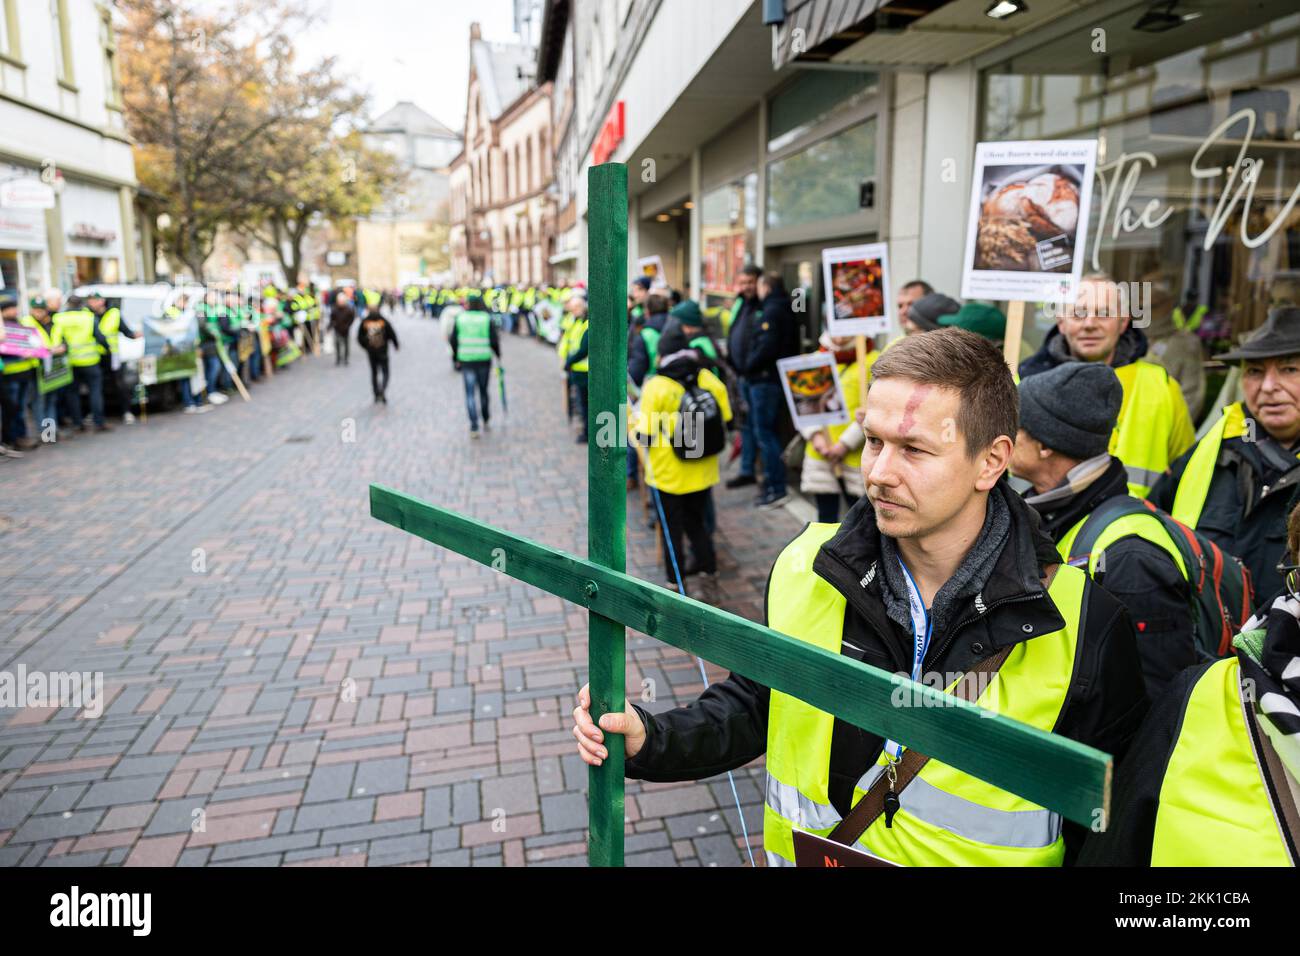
(606, 494)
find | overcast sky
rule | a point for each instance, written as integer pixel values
(414, 50)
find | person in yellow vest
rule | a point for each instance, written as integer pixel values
(474, 341)
(683, 408)
(109, 319)
(1213, 776)
(45, 407)
(1154, 426)
(939, 570)
(832, 456)
(1243, 478)
(576, 363)
(1067, 415)
(17, 389)
(76, 327)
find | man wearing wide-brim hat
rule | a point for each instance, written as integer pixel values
(1240, 481)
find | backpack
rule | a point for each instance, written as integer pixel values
(701, 431)
(376, 334)
(1219, 584)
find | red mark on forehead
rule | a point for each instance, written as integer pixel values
(909, 410)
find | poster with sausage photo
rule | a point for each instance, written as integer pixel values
(1028, 225)
(857, 284)
(812, 390)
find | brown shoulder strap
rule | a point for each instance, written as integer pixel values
(1284, 804)
(872, 804)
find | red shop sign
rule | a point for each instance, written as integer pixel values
(611, 134)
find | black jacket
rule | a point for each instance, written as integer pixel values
(1135, 800)
(638, 356)
(1055, 351)
(726, 727)
(1143, 577)
(1246, 509)
(760, 337)
(375, 334)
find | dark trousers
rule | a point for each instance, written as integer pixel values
(113, 384)
(341, 345)
(686, 516)
(93, 379)
(477, 375)
(758, 434)
(16, 392)
(378, 370)
(579, 382)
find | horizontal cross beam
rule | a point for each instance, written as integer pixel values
(1047, 769)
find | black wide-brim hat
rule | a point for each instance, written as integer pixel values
(1278, 336)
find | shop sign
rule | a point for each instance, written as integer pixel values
(26, 193)
(611, 134)
(85, 232)
(1118, 181)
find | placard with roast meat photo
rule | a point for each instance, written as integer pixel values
(1029, 215)
(857, 284)
(812, 390)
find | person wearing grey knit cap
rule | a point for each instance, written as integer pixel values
(924, 313)
(1067, 416)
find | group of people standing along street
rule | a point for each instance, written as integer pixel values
(1141, 594)
(87, 331)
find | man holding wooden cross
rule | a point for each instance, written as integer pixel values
(941, 574)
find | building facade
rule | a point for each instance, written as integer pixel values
(67, 207)
(502, 206)
(407, 239)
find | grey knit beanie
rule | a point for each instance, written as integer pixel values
(1072, 408)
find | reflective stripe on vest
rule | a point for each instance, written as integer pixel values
(1194, 486)
(1141, 525)
(77, 330)
(947, 817)
(473, 341)
(1214, 805)
(1146, 419)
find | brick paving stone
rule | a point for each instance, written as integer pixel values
(224, 687)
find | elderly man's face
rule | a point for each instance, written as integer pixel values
(1094, 326)
(1272, 388)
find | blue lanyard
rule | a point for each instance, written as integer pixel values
(922, 627)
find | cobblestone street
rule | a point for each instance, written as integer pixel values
(289, 682)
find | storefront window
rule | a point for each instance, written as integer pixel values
(729, 223)
(1184, 120)
(825, 181)
(810, 99)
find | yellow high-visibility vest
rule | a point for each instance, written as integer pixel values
(1153, 428)
(77, 330)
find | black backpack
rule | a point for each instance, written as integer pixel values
(1219, 584)
(700, 429)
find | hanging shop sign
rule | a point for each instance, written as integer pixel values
(611, 134)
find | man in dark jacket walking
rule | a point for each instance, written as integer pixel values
(1066, 418)
(941, 567)
(375, 334)
(342, 315)
(759, 336)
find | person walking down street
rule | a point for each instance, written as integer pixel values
(1154, 426)
(342, 315)
(1238, 484)
(759, 336)
(674, 416)
(1067, 416)
(375, 334)
(575, 360)
(474, 340)
(76, 327)
(941, 570)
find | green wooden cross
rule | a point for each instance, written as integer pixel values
(1052, 771)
